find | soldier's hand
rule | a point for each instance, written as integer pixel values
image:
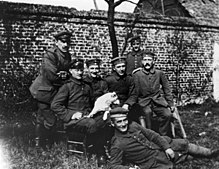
(170, 153)
(125, 106)
(135, 167)
(62, 75)
(76, 116)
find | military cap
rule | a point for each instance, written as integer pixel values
(77, 64)
(148, 53)
(93, 62)
(64, 35)
(118, 112)
(118, 60)
(134, 38)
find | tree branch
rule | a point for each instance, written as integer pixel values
(119, 2)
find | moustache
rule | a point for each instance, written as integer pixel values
(147, 64)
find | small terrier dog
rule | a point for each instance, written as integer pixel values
(103, 104)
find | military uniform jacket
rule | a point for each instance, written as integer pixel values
(140, 146)
(148, 87)
(44, 85)
(72, 97)
(98, 85)
(124, 88)
(133, 61)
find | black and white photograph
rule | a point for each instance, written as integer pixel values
(109, 84)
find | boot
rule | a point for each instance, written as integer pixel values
(38, 135)
(201, 152)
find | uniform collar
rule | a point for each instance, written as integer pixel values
(91, 79)
(127, 134)
(136, 53)
(152, 71)
(79, 82)
(117, 76)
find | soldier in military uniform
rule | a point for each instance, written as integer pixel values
(98, 85)
(54, 72)
(73, 103)
(148, 83)
(121, 83)
(134, 57)
(145, 148)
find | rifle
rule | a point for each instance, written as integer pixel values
(177, 117)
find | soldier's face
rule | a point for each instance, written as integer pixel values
(63, 45)
(136, 45)
(77, 73)
(94, 70)
(120, 123)
(120, 68)
(148, 62)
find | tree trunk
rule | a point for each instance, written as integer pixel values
(112, 33)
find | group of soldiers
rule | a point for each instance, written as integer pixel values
(64, 92)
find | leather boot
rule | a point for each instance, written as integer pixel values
(38, 135)
(201, 152)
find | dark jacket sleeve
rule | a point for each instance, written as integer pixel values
(132, 92)
(155, 138)
(166, 89)
(59, 103)
(116, 159)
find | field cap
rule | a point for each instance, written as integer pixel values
(148, 53)
(63, 36)
(135, 38)
(77, 64)
(118, 112)
(93, 62)
(118, 60)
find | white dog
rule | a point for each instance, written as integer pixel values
(103, 104)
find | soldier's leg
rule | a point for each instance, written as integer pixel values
(164, 118)
(187, 151)
(202, 152)
(148, 115)
(45, 121)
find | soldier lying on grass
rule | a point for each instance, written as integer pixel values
(146, 149)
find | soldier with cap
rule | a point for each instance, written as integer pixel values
(54, 72)
(97, 83)
(73, 103)
(144, 148)
(121, 83)
(154, 94)
(134, 57)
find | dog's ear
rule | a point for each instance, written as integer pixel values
(114, 94)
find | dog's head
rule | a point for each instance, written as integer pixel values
(114, 98)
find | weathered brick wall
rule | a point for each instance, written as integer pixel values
(26, 31)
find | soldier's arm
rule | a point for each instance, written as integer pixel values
(59, 106)
(116, 159)
(50, 69)
(132, 93)
(155, 138)
(166, 89)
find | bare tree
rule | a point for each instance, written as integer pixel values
(112, 4)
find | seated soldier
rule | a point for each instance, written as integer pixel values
(148, 82)
(93, 77)
(145, 148)
(73, 102)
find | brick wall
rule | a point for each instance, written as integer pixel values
(27, 30)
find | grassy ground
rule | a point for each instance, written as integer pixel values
(17, 151)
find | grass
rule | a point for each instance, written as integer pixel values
(18, 152)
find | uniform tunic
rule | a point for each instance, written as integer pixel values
(72, 97)
(133, 61)
(47, 83)
(145, 148)
(148, 87)
(98, 85)
(123, 86)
